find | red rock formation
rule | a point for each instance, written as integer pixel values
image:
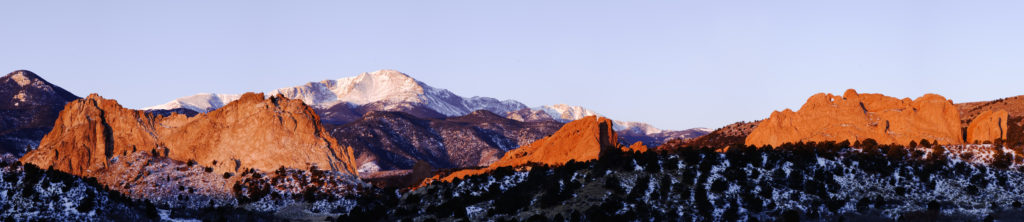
(854, 117)
(636, 147)
(988, 126)
(253, 132)
(580, 140)
(1014, 107)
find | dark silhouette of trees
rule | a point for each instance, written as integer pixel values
(719, 185)
(896, 153)
(1001, 160)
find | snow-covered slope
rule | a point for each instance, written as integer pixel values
(391, 88)
(203, 102)
(566, 113)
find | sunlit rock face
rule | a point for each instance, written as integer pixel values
(253, 132)
(855, 117)
(988, 126)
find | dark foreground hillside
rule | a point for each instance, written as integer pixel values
(28, 193)
(801, 182)
(807, 182)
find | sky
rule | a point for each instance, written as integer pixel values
(673, 64)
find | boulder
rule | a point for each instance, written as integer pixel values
(988, 126)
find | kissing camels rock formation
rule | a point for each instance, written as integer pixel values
(854, 117)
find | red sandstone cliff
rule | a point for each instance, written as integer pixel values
(854, 116)
(580, 140)
(252, 132)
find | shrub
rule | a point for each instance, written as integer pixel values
(719, 186)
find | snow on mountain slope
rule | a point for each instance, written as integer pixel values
(383, 85)
(566, 113)
(390, 87)
(203, 102)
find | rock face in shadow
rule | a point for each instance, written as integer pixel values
(250, 133)
(28, 107)
(988, 126)
(854, 117)
(657, 139)
(396, 140)
(580, 140)
(732, 134)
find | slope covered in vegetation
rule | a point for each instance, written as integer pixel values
(825, 181)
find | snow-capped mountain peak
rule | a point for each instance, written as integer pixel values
(390, 89)
(566, 113)
(202, 102)
(381, 85)
(394, 89)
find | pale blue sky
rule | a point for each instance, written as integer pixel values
(675, 64)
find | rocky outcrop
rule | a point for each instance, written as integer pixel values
(253, 132)
(1014, 107)
(580, 140)
(637, 147)
(28, 107)
(854, 117)
(988, 126)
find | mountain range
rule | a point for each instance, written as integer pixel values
(346, 99)
(393, 121)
